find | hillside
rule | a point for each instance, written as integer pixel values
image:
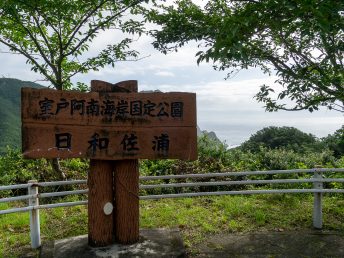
(212, 135)
(10, 133)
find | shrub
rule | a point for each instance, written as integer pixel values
(16, 170)
(281, 137)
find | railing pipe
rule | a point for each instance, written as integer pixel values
(70, 182)
(246, 192)
(14, 210)
(243, 182)
(13, 187)
(244, 173)
(44, 206)
(62, 204)
(18, 198)
(55, 194)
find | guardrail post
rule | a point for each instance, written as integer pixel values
(35, 232)
(317, 208)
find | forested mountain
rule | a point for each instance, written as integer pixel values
(10, 133)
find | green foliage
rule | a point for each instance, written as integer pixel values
(299, 41)
(335, 142)
(156, 167)
(10, 133)
(16, 170)
(274, 137)
(55, 224)
(14, 233)
(269, 149)
(279, 159)
(55, 35)
(212, 156)
(9, 125)
(75, 168)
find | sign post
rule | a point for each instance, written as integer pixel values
(124, 224)
(100, 194)
(114, 126)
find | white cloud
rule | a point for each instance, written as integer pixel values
(164, 74)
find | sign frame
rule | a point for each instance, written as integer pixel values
(160, 126)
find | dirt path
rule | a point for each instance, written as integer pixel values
(274, 244)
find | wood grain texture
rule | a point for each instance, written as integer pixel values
(49, 141)
(124, 184)
(126, 188)
(124, 86)
(100, 188)
(126, 224)
(100, 185)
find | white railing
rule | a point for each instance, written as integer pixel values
(317, 189)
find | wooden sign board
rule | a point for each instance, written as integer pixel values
(109, 126)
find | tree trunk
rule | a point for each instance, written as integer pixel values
(55, 164)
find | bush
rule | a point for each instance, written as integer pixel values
(16, 170)
(285, 137)
(335, 142)
(213, 156)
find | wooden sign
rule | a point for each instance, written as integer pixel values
(108, 126)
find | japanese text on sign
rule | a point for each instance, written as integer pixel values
(121, 109)
(111, 109)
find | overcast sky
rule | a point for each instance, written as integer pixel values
(226, 107)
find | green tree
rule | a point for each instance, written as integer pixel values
(335, 142)
(299, 41)
(55, 36)
(273, 137)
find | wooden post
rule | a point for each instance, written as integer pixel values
(125, 226)
(100, 194)
(126, 189)
(100, 178)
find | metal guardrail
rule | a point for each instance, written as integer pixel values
(317, 181)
